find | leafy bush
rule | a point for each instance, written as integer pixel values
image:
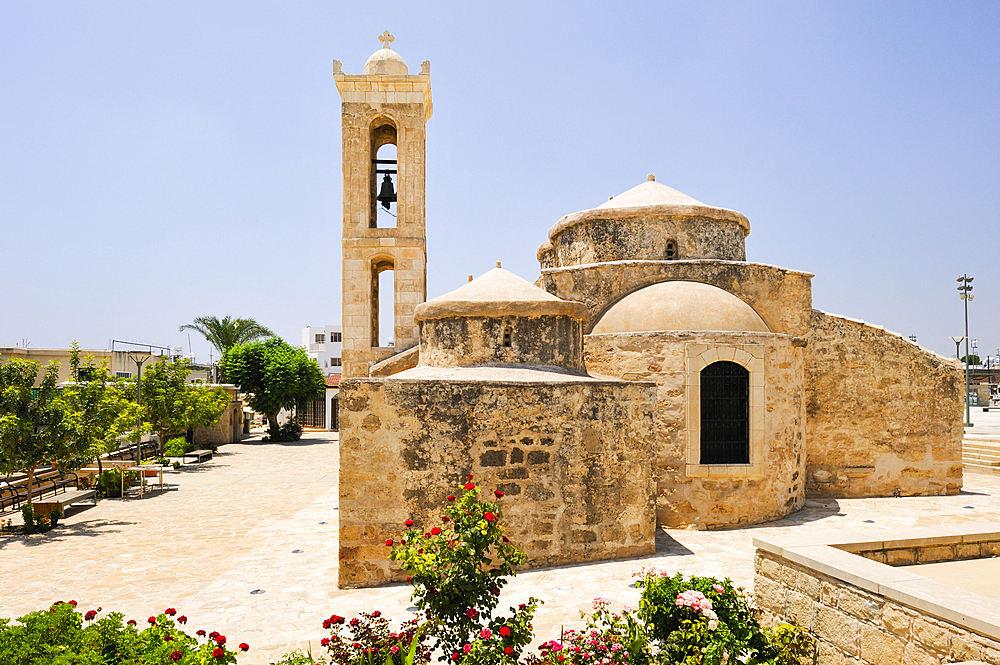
(58, 635)
(457, 571)
(371, 641)
(290, 431)
(610, 638)
(176, 447)
(108, 483)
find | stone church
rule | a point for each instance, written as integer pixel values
(650, 377)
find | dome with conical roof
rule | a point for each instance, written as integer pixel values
(650, 222)
(501, 319)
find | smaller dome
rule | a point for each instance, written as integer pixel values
(679, 306)
(499, 292)
(649, 193)
(386, 62)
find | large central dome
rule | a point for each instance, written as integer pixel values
(679, 306)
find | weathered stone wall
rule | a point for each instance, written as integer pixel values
(852, 625)
(574, 457)
(229, 427)
(725, 500)
(644, 238)
(783, 298)
(882, 413)
(547, 341)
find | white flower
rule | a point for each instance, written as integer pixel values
(713, 624)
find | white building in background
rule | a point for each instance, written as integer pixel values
(324, 344)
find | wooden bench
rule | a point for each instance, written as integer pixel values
(134, 451)
(46, 506)
(14, 489)
(199, 455)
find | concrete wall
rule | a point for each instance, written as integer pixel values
(772, 485)
(882, 413)
(574, 457)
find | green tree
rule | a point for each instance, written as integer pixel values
(227, 332)
(172, 405)
(37, 426)
(972, 359)
(276, 375)
(104, 404)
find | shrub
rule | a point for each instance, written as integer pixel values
(367, 639)
(62, 635)
(290, 431)
(457, 570)
(109, 482)
(176, 447)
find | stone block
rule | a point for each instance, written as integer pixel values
(896, 621)
(935, 553)
(914, 655)
(901, 557)
(965, 647)
(800, 608)
(840, 629)
(864, 607)
(767, 567)
(828, 654)
(770, 595)
(932, 634)
(879, 647)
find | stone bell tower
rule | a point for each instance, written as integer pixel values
(384, 106)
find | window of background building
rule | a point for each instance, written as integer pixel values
(320, 338)
(334, 337)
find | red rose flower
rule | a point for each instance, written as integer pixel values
(200, 633)
(323, 642)
(89, 616)
(522, 606)
(468, 476)
(212, 635)
(168, 638)
(244, 646)
(176, 655)
(469, 486)
(131, 622)
(427, 535)
(456, 656)
(355, 622)
(388, 543)
(220, 639)
(337, 619)
(505, 631)
(471, 613)
(170, 611)
(445, 518)
(508, 650)
(506, 539)
(435, 531)
(451, 498)
(73, 603)
(182, 619)
(408, 523)
(408, 579)
(218, 653)
(498, 494)
(326, 624)
(376, 614)
(152, 621)
(489, 517)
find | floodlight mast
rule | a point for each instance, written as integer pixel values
(965, 293)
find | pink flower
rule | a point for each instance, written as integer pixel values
(485, 633)
(393, 649)
(693, 599)
(719, 588)
(467, 648)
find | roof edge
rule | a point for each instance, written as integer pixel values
(662, 210)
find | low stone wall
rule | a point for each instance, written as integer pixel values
(864, 612)
(574, 457)
(883, 414)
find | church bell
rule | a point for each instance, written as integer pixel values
(386, 194)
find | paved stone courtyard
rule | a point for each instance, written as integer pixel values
(263, 516)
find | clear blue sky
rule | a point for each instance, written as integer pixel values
(162, 161)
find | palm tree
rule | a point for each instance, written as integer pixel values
(227, 332)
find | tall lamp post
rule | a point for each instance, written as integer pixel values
(965, 293)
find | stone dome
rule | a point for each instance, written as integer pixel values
(649, 193)
(679, 306)
(499, 292)
(386, 62)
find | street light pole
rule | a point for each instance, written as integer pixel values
(965, 293)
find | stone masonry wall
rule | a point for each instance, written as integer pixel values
(573, 457)
(782, 297)
(882, 413)
(855, 627)
(723, 500)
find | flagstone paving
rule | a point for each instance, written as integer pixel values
(263, 517)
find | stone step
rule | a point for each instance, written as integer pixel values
(981, 468)
(986, 461)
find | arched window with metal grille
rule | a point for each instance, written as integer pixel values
(725, 414)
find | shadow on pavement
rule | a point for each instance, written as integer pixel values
(89, 528)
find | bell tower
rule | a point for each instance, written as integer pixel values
(383, 119)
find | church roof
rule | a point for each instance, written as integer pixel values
(386, 62)
(649, 199)
(649, 193)
(499, 292)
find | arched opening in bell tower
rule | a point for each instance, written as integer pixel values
(384, 180)
(383, 302)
